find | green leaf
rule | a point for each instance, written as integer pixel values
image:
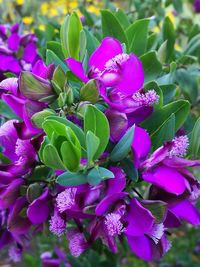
(169, 91)
(169, 35)
(6, 111)
(70, 36)
(92, 144)
(129, 169)
(71, 155)
(77, 130)
(98, 174)
(165, 133)
(162, 52)
(39, 117)
(195, 140)
(56, 48)
(157, 208)
(180, 108)
(122, 148)
(137, 36)
(53, 126)
(122, 18)
(52, 58)
(59, 78)
(92, 42)
(51, 158)
(152, 67)
(71, 179)
(111, 26)
(96, 122)
(89, 92)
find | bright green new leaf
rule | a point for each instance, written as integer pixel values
(51, 158)
(96, 122)
(71, 155)
(70, 36)
(92, 144)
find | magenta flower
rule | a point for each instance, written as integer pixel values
(112, 68)
(12, 43)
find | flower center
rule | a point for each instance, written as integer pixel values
(146, 99)
(57, 225)
(77, 243)
(66, 199)
(113, 224)
(179, 147)
(115, 63)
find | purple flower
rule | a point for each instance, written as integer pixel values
(17, 52)
(21, 153)
(197, 6)
(112, 68)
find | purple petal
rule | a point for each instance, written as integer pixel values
(77, 68)
(30, 52)
(117, 184)
(10, 84)
(118, 124)
(43, 71)
(140, 220)
(186, 211)
(9, 193)
(138, 115)
(141, 143)
(15, 103)
(177, 162)
(102, 207)
(141, 246)
(171, 220)
(132, 77)
(16, 224)
(9, 63)
(166, 178)
(108, 49)
(13, 42)
(8, 139)
(38, 210)
(5, 238)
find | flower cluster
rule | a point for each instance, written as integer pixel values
(78, 166)
(17, 50)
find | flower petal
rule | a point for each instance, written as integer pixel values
(38, 210)
(186, 210)
(166, 178)
(140, 220)
(77, 68)
(108, 49)
(132, 76)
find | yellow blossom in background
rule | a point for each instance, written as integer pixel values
(177, 47)
(44, 8)
(155, 29)
(27, 20)
(19, 2)
(42, 27)
(171, 16)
